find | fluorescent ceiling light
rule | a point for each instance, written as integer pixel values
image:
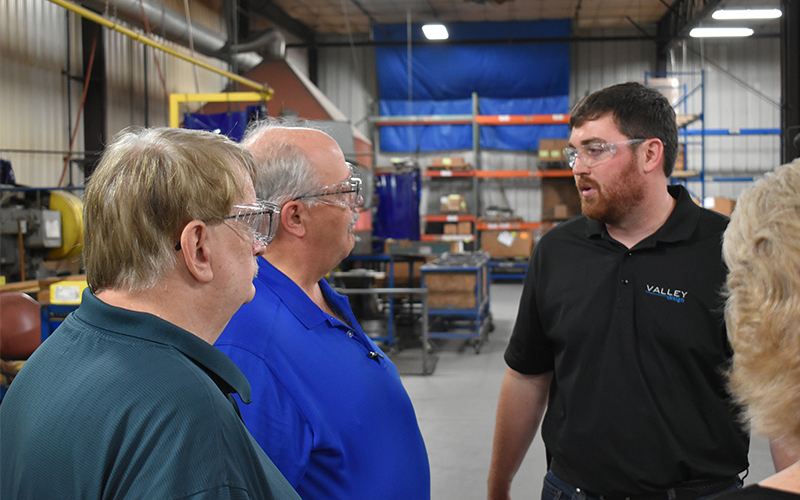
(747, 14)
(435, 32)
(707, 32)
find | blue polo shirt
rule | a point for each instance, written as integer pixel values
(335, 419)
(122, 404)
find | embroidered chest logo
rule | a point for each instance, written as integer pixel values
(678, 296)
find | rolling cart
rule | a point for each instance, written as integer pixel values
(458, 297)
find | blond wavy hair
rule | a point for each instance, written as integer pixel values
(762, 250)
(148, 185)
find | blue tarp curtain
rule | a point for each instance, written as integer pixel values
(232, 124)
(519, 78)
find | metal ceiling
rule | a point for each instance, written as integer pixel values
(311, 19)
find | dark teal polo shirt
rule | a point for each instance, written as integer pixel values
(637, 344)
(121, 404)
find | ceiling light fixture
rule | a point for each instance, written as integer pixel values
(720, 32)
(747, 14)
(435, 32)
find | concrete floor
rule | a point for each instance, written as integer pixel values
(456, 410)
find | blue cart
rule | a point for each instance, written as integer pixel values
(458, 297)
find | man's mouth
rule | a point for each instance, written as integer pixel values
(587, 190)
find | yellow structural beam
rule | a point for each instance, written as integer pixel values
(264, 91)
(176, 99)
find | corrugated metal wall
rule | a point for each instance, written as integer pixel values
(347, 77)
(35, 112)
(742, 91)
(131, 99)
(35, 37)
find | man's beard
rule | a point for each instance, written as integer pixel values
(353, 220)
(616, 199)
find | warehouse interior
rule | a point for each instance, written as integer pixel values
(459, 142)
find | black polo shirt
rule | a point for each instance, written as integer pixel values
(637, 343)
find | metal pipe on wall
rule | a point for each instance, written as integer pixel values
(264, 89)
(177, 28)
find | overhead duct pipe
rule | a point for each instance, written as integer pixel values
(175, 27)
(263, 89)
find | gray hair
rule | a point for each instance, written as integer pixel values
(283, 171)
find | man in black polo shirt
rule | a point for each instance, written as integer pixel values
(620, 334)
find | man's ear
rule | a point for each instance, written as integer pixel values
(653, 155)
(293, 218)
(195, 251)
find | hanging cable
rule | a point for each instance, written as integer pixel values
(356, 69)
(155, 57)
(191, 43)
(83, 102)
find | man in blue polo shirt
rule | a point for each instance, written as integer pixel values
(129, 398)
(328, 405)
(619, 340)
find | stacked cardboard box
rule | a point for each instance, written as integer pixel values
(507, 243)
(551, 153)
(450, 162)
(453, 203)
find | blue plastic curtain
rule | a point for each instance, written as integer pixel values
(232, 124)
(520, 78)
(397, 196)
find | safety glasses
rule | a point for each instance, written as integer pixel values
(593, 153)
(345, 194)
(257, 220)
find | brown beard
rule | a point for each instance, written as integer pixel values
(614, 201)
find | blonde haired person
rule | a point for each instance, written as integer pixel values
(128, 398)
(762, 250)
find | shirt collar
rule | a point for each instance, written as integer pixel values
(292, 296)
(679, 226)
(151, 328)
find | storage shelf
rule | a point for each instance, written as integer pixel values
(685, 174)
(447, 237)
(450, 218)
(511, 226)
(499, 174)
(546, 119)
(449, 173)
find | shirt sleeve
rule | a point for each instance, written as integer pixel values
(529, 351)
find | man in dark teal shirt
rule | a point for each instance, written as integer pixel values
(128, 398)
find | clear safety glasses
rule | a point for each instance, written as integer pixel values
(595, 152)
(257, 220)
(345, 194)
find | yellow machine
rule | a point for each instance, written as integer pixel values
(41, 234)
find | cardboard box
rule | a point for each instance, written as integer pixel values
(453, 203)
(552, 150)
(408, 274)
(415, 247)
(451, 228)
(451, 300)
(505, 243)
(680, 162)
(456, 162)
(560, 198)
(451, 290)
(724, 206)
(464, 227)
